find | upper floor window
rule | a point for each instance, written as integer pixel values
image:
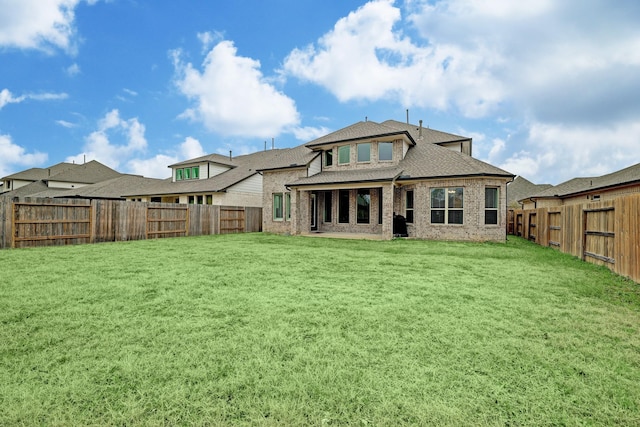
(328, 157)
(344, 153)
(364, 202)
(364, 152)
(385, 151)
(447, 205)
(491, 206)
(188, 173)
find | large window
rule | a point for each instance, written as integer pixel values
(385, 151)
(328, 157)
(179, 173)
(491, 206)
(277, 207)
(447, 205)
(328, 206)
(364, 205)
(343, 206)
(409, 206)
(364, 152)
(344, 153)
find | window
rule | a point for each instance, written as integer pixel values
(328, 157)
(409, 206)
(209, 199)
(200, 199)
(195, 172)
(328, 208)
(187, 173)
(343, 207)
(364, 202)
(364, 152)
(491, 206)
(287, 206)
(178, 174)
(192, 200)
(447, 205)
(385, 151)
(277, 207)
(343, 154)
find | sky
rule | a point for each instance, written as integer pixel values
(547, 89)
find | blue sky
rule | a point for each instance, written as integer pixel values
(547, 89)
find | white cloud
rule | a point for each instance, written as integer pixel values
(309, 133)
(157, 166)
(365, 57)
(129, 136)
(14, 157)
(73, 70)
(554, 153)
(38, 24)
(6, 97)
(232, 97)
(66, 124)
(208, 39)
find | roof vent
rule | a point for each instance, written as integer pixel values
(230, 155)
(420, 131)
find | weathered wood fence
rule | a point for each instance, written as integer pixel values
(604, 233)
(29, 222)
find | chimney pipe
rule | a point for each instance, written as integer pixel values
(366, 118)
(265, 145)
(230, 155)
(407, 116)
(420, 131)
(273, 143)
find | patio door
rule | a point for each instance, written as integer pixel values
(313, 210)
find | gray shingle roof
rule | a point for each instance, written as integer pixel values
(433, 161)
(629, 175)
(35, 174)
(109, 189)
(522, 188)
(211, 158)
(87, 173)
(360, 130)
(350, 176)
(428, 135)
(245, 166)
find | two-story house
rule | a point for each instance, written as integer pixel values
(360, 179)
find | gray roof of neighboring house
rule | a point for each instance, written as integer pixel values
(113, 188)
(626, 176)
(211, 158)
(35, 174)
(244, 167)
(521, 188)
(87, 173)
(30, 189)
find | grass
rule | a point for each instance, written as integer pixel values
(258, 329)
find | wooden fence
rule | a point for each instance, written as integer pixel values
(29, 222)
(604, 233)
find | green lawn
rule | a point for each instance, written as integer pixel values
(258, 329)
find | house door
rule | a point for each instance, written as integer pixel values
(313, 210)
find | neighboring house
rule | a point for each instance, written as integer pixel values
(520, 188)
(111, 189)
(214, 180)
(579, 190)
(362, 178)
(57, 178)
